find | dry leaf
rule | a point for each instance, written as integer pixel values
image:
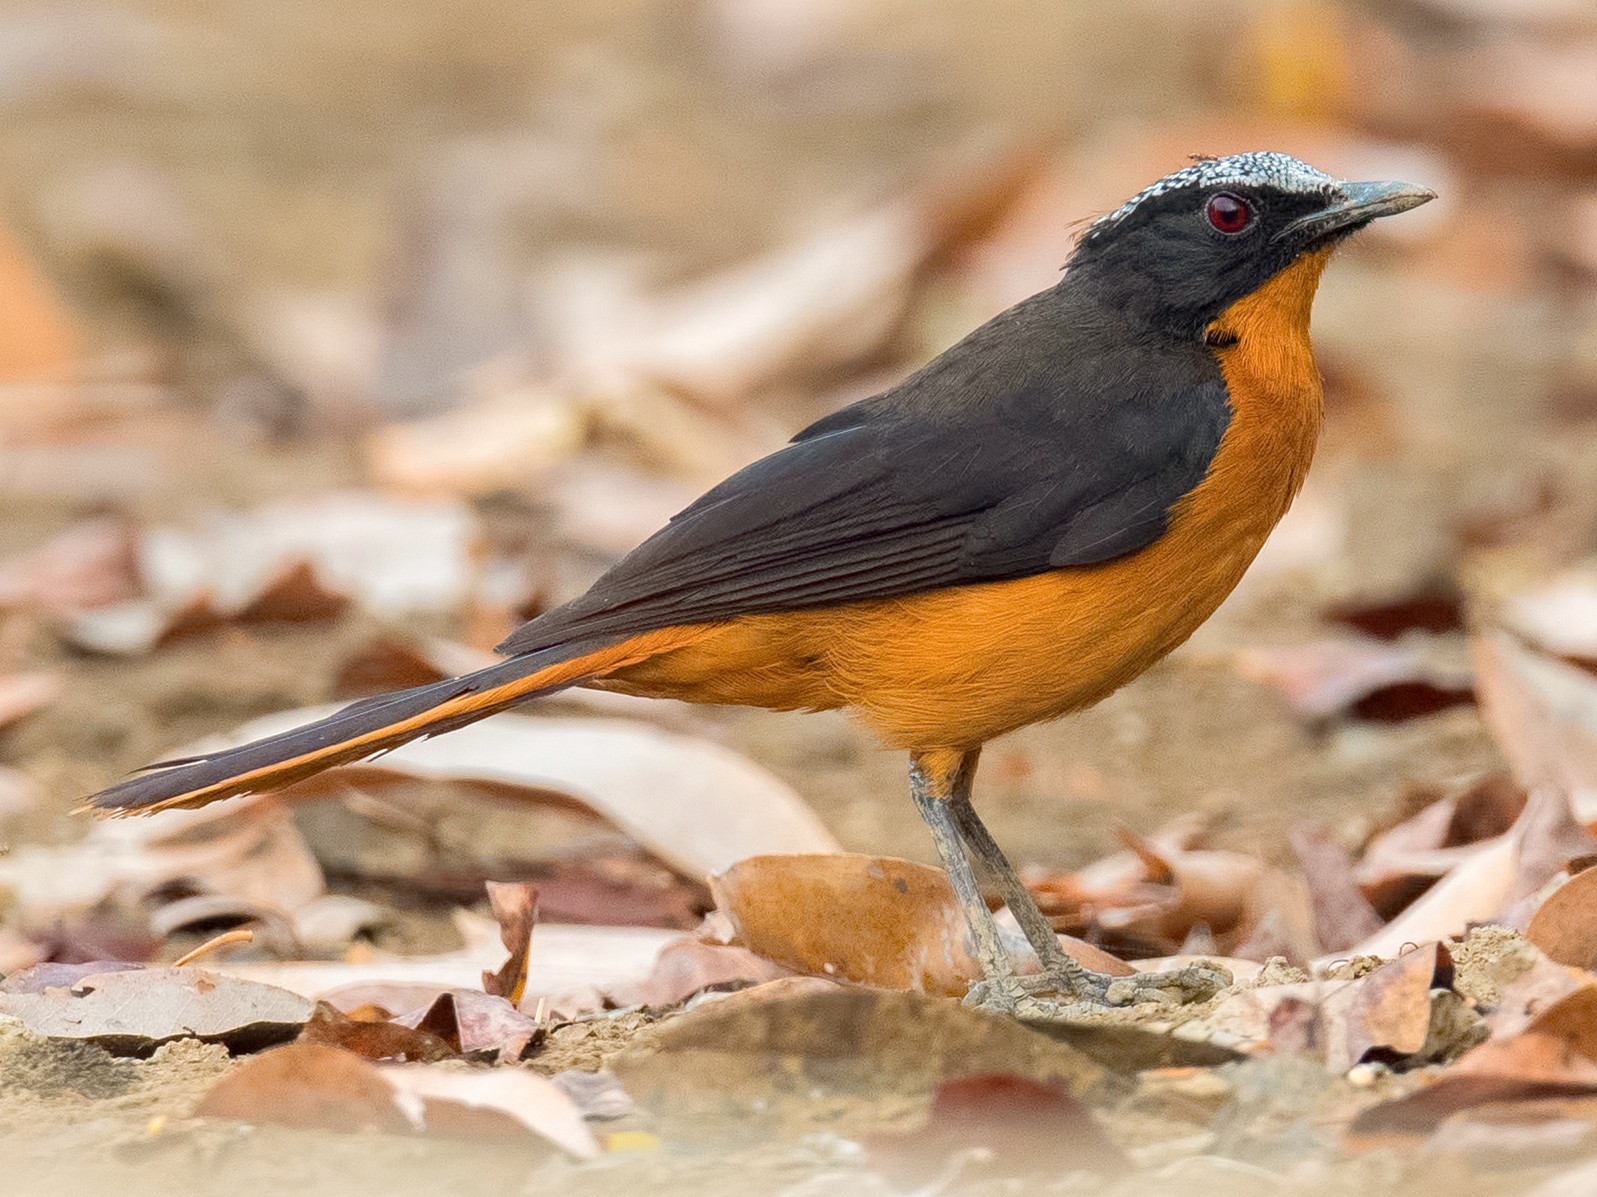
(563, 960)
(1377, 681)
(869, 919)
(515, 908)
(374, 1040)
(1023, 1127)
(1542, 712)
(1342, 914)
(316, 1086)
(687, 966)
(477, 1103)
(477, 1024)
(1492, 878)
(1565, 924)
(245, 848)
(1555, 1053)
(308, 1085)
(136, 1011)
(694, 804)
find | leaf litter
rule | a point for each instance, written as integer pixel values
(1418, 978)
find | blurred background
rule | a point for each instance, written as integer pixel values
(336, 338)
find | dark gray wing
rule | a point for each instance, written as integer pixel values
(876, 502)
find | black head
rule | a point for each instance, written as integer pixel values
(1183, 250)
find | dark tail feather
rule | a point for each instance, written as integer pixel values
(362, 729)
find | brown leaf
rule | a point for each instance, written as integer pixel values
(373, 1040)
(295, 594)
(135, 1011)
(563, 960)
(1373, 680)
(1555, 1053)
(326, 1088)
(477, 1024)
(1342, 915)
(688, 966)
(1488, 882)
(1024, 1127)
(1426, 611)
(1542, 711)
(515, 908)
(1565, 925)
(1389, 1014)
(308, 1085)
(869, 919)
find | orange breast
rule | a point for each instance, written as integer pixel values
(956, 667)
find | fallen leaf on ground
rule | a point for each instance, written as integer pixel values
(477, 1024)
(698, 806)
(478, 1103)
(1368, 678)
(374, 1039)
(515, 908)
(1565, 925)
(247, 849)
(564, 960)
(687, 966)
(319, 1087)
(1402, 861)
(309, 1085)
(1342, 914)
(1495, 876)
(292, 561)
(1541, 711)
(132, 1012)
(1555, 1053)
(869, 919)
(1020, 1126)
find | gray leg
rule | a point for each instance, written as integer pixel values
(941, 783)
(931, 788)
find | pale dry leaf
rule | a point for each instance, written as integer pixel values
(1342, 915)
(1542, 712)
(696, 805)
(443, 1097)
(823, 300)
(246, 848)
(515, 909)
(564, 959)
(136, 1011)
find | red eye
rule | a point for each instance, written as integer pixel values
(1229, 213)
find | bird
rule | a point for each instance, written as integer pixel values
(1013, 532)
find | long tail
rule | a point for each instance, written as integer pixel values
(375, 725)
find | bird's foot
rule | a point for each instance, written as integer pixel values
(1059, 994)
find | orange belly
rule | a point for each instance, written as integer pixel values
(956, 667)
